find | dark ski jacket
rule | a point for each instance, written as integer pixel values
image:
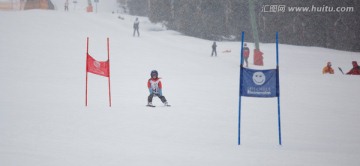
(136, 24)
(214, 46)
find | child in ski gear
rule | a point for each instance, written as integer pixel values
(246, 52)
(214, 49)
(355, 70)
(136, 26)
(328, 69)
(155, 88)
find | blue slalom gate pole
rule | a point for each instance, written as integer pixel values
(240, 80)
(278, 84)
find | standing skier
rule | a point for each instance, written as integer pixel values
(66, 5)
(246, 52)
(136, 26)
(214, 49)
(155, 89)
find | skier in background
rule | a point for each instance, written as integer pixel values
(328, 69)
(214, 49)
(136, 26)
(355, 70)
(246, 52)
(155, 89)
(66, 5)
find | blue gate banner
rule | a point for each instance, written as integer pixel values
(259, 83)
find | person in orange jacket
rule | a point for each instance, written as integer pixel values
(155, 89)
(328, 69)
(355, 70)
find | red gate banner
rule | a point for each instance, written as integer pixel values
(97, 67)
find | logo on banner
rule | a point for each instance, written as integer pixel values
(259, 78)
(97, 64)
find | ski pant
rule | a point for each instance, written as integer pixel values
(162, 98)
(136, 30)
(214, 52)
(246, 61)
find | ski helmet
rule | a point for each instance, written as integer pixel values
(154, 72)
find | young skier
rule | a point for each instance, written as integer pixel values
(155, 89)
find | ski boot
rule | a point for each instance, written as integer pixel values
(150, 104)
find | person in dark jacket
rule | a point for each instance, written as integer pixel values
(136, 26)
(66, 5)
(355, 70)
(214, 49)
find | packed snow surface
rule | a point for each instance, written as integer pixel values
(44, 121)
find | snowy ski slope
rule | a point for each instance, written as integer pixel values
(43, 120)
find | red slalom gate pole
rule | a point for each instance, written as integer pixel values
(108, 50)
(86, 84)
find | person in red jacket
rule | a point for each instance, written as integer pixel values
(155, 89)
(246, 51)
(355, 70)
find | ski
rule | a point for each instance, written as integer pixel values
(155, 106)
(341, 70)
